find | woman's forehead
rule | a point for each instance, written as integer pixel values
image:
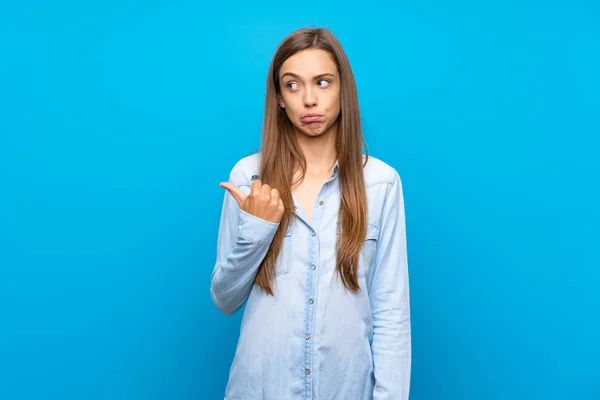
(309, 63)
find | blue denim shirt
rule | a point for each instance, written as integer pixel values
(314, 339)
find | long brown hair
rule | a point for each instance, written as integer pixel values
(280, 154)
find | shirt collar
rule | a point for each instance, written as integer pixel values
(334, 172)
(336, 169)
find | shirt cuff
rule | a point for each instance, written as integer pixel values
(256, 230)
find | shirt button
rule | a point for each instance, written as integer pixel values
(307, 336)
(313, 267)
(308, 372)
(321, 202)
(295, 208)
(310, 301)
(314, 233)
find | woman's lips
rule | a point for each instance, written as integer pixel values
(311, 118)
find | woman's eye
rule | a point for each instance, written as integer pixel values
(324, 83)
(292, 85)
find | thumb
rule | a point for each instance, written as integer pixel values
(235, 192)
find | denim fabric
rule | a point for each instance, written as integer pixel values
(314, 339)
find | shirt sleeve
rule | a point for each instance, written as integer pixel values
(242, 243)
(390, 304)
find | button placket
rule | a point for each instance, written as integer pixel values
(310, 293)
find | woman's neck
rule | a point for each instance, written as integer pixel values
(319, 153)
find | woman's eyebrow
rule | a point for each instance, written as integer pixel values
(293, 75)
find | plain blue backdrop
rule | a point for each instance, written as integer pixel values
(119, 119)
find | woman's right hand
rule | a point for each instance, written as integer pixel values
(262, 201)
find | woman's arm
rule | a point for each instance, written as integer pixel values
(390, 304)
(243, 242)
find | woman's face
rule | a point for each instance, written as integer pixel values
(310, 92)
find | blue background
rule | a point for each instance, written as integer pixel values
(118, 120)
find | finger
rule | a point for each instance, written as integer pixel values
(280, 209)
(235, 192)
(266, 192)
(256, 188)
(265, 199)
(275, 197)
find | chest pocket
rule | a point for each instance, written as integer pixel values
(284, 261)
(367, 255)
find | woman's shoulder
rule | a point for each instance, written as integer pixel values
(245, 170)
(376, 171)
(379, 172)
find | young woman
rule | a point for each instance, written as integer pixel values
(312, 240)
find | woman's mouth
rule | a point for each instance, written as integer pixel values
(311, 118)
